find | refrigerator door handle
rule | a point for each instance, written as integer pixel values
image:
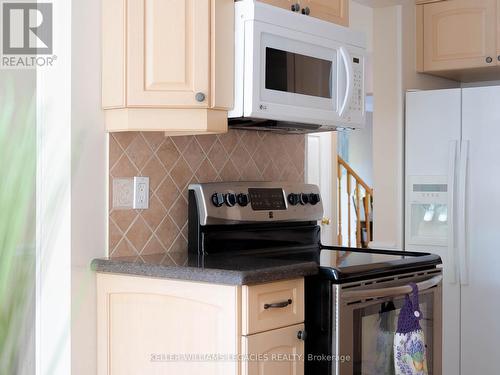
(452, 248)
(462, 213)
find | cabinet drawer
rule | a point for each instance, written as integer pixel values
(272, 305)
(276, 352)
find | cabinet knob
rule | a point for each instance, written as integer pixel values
(295, 7)
(306, 11)
(489, 60)
(200, 97)
(302, 335)
(498, 57)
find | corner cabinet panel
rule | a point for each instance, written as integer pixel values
(280, 352)
(153, 326)
(336, 11)
(169, 53)
(459, 34)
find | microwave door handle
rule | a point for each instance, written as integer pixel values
(392, 291)
(346, 58)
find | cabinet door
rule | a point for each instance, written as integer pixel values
(156, 326)
(276, 352)
(459, 34)
(169, 53)
(336, 11)
(286, 4)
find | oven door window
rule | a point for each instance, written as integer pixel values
(374, 326)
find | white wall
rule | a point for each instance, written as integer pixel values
(89, 171)
(394, 73)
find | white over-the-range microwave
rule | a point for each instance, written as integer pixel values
(295, 73)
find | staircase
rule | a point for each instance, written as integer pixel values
(359, 195)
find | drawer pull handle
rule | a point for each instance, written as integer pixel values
(277, 305)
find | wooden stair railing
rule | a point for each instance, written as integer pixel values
(361, 187)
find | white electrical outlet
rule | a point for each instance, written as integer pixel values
(141, 193)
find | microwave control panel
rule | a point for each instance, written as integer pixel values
(357, 101)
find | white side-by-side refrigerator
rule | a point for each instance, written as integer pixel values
(452, 171)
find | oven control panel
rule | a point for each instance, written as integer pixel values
(255, 201)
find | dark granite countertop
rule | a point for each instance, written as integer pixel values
(237, 270)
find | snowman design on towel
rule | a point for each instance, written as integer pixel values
(409, 343)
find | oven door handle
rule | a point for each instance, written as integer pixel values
(392, 291)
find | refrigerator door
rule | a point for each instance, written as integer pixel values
(481, 292)
(433, 131)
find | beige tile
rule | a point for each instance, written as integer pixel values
(167, 192)
(261, 158)
(155, 171)
(180, 246)
(218, 155)
(289, 173)
(124, 249)
(155, 213)
(229, 140)
(206, 173)
(181, 173)
(167, 232)
(250, 172)
(124, 168)
(229, 172)
(168, 154)
(181, 142)
(251, 140)
(115, 235)
(139, 152)
(193, 154)
(153, 246)
(179, 212)
(138, 234)
(115, 151)
(154, 139)
(240, 156)
(123, 218)
(125, 138)
(271, 173)
(206, 142)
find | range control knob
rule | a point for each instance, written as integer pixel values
(304, 198)
(242, 199)
(218, 199)
(293, 199)
(314, 198)
(230, 199)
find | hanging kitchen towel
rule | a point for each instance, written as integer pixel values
(409, 343)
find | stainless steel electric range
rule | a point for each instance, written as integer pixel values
(351, 304)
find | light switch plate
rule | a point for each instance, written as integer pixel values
(141, 193)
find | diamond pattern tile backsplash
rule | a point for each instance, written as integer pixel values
(172, 163)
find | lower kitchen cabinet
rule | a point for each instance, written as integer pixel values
(277, 352)
(163, 326)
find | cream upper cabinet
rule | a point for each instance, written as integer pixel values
(285, 4)
(456, 35)
(336, 11)
(168, 64)
(169, 53)
(282, 351)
